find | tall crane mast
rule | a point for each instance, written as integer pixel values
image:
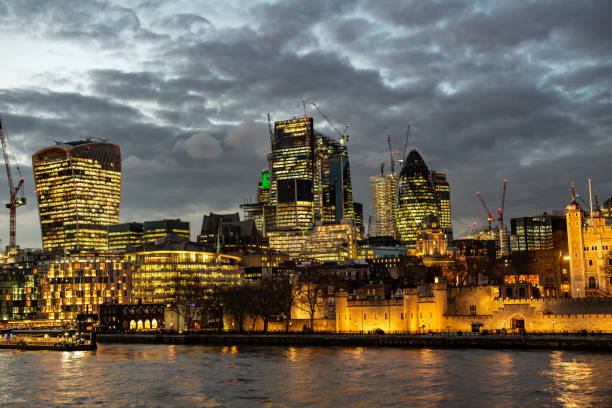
(490, 217)
(270, 131)
(500, 210)
(390, 153)
(16, 199)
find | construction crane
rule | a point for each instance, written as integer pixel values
(390, 153)
(270, 131)
(342, 136)
(490, 217)
(500, 209)
(382, 168)
(17, 198)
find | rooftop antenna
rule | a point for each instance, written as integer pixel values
(591, 201)
(270, 129)
(406, 140)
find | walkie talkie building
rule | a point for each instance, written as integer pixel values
(78, 185)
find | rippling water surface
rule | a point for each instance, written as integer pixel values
(198, 376)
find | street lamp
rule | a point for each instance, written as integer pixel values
(553, 322)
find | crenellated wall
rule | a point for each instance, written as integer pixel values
(438, 308)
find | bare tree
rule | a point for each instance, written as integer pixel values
(311, 285)
(272, 297)
(237, 301)
(188, 297)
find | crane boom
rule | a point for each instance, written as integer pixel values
(406, 141)
(342, 136)
(490, 217)
(500, 210)
(14, 200)
(390, 153)
(270, 129)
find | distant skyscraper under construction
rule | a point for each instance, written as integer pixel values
(383, 192)
(442, 188)
(78, 185)
(416, 199)
(309, 181)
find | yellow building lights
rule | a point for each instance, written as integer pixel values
(154, 273)
(383, 191)
(78, 185)
(79, 283)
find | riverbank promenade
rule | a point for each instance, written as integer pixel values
(600, 342)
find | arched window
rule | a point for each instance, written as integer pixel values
(132, 325)
(147, 324)
(592, 282)
(154, 324)
(140, 325)
(590, 262)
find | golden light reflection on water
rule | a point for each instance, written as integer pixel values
(171, 352)
(229, 349)
(573, 381)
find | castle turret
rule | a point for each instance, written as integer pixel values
(574, 217)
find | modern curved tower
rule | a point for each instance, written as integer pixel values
(416, 198)
(78, 185)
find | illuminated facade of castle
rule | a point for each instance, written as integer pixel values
(590, 252)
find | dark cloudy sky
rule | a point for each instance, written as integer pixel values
(515, 89)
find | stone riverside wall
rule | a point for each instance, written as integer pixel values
(588, 342)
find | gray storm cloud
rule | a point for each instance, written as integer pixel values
(495, 89)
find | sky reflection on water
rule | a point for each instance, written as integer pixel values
(231, 376)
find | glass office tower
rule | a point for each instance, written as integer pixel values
(78, 186)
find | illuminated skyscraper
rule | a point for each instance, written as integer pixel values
(333, 190)
(292, 175)
(442, 189)
(383, 192)
(78, 185)
(416, 198)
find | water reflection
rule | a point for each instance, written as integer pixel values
(197, 376)
(574, 381)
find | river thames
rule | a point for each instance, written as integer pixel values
(199, 376)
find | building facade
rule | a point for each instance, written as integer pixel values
(78, 186)
(335, 242)
(19, 286)
(157, 267)
(540, 232)
(416, 198)
(383, 194)
(442, 188)
(158, 229)
(589, 240)
(123, 236)
(79, 283)
(292, 175)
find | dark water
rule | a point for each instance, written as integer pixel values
(197, 376)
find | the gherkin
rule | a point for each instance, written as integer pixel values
(416, 198)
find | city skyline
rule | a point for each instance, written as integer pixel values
(503, 103)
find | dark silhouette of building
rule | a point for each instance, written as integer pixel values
(545, 231)
(123, 236)
(158, 229)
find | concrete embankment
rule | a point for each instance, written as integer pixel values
(565, 342)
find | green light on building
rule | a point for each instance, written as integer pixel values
(265, 179)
